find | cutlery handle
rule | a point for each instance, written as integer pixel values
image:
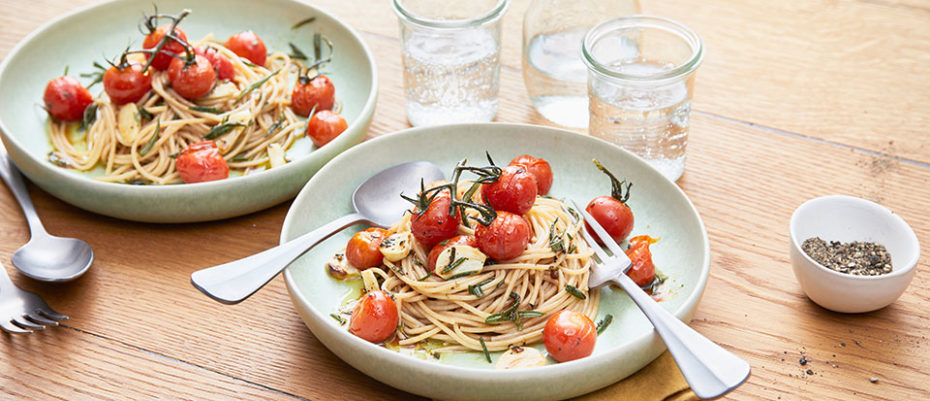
(710, 370)
(233, 282)
(14, 180)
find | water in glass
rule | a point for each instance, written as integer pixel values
(555, 77)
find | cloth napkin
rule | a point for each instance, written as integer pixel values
(659, 381)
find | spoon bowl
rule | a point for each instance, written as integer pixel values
(376, 201)
(53, 259)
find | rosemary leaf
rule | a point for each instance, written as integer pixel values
(296, 53)
(425, 277)
(205, 109)
(145, 114)
(338, 318)
(602, 325)
(555, 239)
(148, 146)
(239, 158)
(461, 275)
(487, 355)
(476, 290)
(574, 291)
(257, 84)
(529, 314)
(453, 265)
(90, 116)
(222, 129)
(317, 46)
(303, 22)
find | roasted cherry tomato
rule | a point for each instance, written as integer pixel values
(540, 170)
(615, 216)
(435, 224)
(569, 335)
(325, 126)
(515, 190)
(442, 246)
(221, 65)
(362, 250)
(643, 270)
(318, 92)
(65, 99)
(505, 238)
(192, 81)
(163, 58)
(375, 317)
(201, 162)
(126, 83)
(248, 45)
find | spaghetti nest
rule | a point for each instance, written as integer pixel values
(515, 297)
(248, 116)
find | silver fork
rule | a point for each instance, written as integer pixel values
(22, 311)
(710, 370)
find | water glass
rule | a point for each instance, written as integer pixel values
(640, 84)
(451, 53)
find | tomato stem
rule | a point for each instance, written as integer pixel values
(617, 191)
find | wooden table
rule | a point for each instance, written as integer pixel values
(794, 101)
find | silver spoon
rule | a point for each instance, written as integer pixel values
(45, 257)
(376, 201)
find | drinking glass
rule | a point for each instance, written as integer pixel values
(451, 53)
(640, 84)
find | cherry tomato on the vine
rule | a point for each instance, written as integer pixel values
(515, 190)
(539, 168)
(375, 317)
(325, 126)
(221, 64)
(505, 238)
(194, 80)
(126, 83)
(569, 335)
(318, 93)
(201, 162)
(643, 270)
(163, 58)
(65, 99)
(435, 224)
(615, 216)
(362, 249)
(248, 45)
(442, 246)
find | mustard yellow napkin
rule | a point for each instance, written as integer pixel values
(658, 381)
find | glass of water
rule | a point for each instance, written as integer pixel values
(640, 84)
(451, 52)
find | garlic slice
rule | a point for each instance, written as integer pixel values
(465, 260)
(276, 155)
(396, 247)
(340, 268)
(128, 123)
(519, 357)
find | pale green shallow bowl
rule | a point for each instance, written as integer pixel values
(661, 210)
(92, 33)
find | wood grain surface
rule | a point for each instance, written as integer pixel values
(795, 100)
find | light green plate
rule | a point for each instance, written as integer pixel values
(661, 210)
(90, 34)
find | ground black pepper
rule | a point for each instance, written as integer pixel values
(857, 258)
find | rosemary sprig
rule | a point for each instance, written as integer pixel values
(575, 292)
(222, 129)
(206, 109)
(96, 75)
(487, 355)
(148, 146)
(276, 126)
(556, 243)
(476, 290)
(616, 186)
(257, 84)
(603, 323)
(150, 22)
(303, 22)
(338, 318)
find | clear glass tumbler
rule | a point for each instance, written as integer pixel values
(451, 52)
(640, 84)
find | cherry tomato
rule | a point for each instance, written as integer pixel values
(126, 85)
(163, 58)
(222, 65)
(615, 216)
(318, 92)
(540, 170)
(247, 44)
(201, 162)
(442, 246)
(435, 224)
(362, 250)
(65, 99)
(325, 126)
(192, 81)
(515, 190)
(375, 317)
(505, 238)
(569, 335)
(643, 270)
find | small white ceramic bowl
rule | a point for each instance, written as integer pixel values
(846, 219)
